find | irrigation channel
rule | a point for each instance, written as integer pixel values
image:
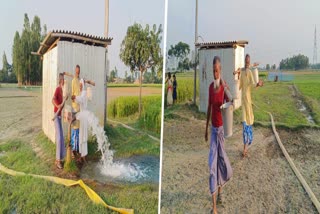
(301, 105)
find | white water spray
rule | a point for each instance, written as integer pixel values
(108, 167)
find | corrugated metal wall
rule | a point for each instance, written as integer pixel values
(91, 60)
(231, 59)
(49, 84)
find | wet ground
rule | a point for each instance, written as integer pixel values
(145, 170)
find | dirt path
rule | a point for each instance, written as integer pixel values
(263, 183)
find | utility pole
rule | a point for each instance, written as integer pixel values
(315, 46)
(195, 56)
(106, 63)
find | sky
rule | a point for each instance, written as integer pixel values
(82, 16)
(275, 29)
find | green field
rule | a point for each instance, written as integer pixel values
(116, 85)
(127, 108)
(275, 97)
(309, 86)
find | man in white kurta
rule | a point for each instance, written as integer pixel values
(82, 117)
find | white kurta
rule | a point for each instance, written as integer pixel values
(82, 117)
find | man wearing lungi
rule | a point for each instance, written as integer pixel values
(58, 104)
(246, 84)
(75, 91)
(219, 165)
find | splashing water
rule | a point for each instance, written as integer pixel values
(118, 169)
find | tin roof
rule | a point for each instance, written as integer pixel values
(223, 44)
(52, 38)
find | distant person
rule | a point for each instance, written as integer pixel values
(82, 117)
(170, 90)
(174, 94)
(246, 84)
(58, 104)
(219, 165)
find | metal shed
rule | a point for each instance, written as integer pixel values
(232, 57)
(62, 51)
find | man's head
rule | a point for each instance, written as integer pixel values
(216, 67)
(61, 79)
(174, 76)
(169, 75)
(77, 71)
(247, 61)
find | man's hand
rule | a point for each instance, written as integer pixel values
(206, 135)
(260, 83)
(255, 64)
(237, 71)
(73, 97)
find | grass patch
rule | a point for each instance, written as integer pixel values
(127, 142)
(115, 85)
(309, 87)
(128, 106)
(32, 195)
(311, 96)
(276, 98)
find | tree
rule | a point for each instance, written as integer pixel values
(274, 67)
(140, 50)
(113, 74)
(35, 38)
(27, 67)
(179, 53)
(26, 50)
(6, 74)
(297, 62)
(267, 67)
(5, 67)
(16, 56)
(184, 64)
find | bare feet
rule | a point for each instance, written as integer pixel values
(214, 208)
(58, 164)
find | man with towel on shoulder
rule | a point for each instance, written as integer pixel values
(75, 91)
(219, 165)
(246, 84)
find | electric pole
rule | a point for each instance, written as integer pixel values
(195, 56)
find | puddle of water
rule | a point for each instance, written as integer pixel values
(281, 76)
(136, 169)
(302, 107)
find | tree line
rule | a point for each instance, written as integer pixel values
(26, 69)
(297, 62)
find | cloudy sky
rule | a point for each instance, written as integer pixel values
(275, 29)
(79, 15)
